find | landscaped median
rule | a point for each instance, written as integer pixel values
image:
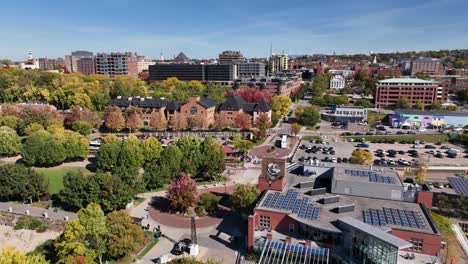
(432, 138)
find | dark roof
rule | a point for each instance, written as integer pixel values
(262, 106)
(429, 112)
(207, 102)
(139, 102)
(234, 103)
(174, 105)
(181, 58)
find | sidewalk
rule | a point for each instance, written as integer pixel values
(37, 212)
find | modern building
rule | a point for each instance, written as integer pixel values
(428, 119)
(71, 61)
(390, 91)
(337, 82)
(199, 110)
(51, 64)
(285, 84)
(86, 65)
(230, 57)
(345, 114)
(350, 213)
(117, 63)
(30, 64)
(427, 65)
(143, 64)
(193, 72)
(250, 69)
(278, 63)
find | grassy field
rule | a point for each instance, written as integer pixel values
(427, 138)
(54, 176)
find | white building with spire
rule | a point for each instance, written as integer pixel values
(31, 63)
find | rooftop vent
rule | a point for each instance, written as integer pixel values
(330, 199)
(345, 209)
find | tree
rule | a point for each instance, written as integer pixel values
(82, 127)
(280, 106)
(189, 146)
(107, 155)
(419, 105)
(435, 106)
(43, 149)
(134, 121)
(421, 174)
(263, 121)
(82, 114)
(295, 129)
(131, 154)
(220, 122)
(9, 121)
(320, 85)
(151, 149)
(11, 142)
(243, 121)
(362, 157)
(12, 256)
(171, 159)
(216, 91)
(115, 120)
(452, 108)
(310, 117)
(158, 121)
(251, 94)
(111, 138)
(182, 193)
(242, 145)
(123, 236)
(213, 158)
(244, 198)
(32, 128)
(403, 103)
(18, 182)
(364, 103)
(75, 144)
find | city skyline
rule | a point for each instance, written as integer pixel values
(54, 29)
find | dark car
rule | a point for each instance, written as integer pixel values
(429, 147)
(181, 247)
(399, 133)
(344, 160)
(362, 145)
(401, 152)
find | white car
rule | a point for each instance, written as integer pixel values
(334, 159)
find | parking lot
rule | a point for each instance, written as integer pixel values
(391, 154)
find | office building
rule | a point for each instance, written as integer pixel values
(144, 63)
(427, 65)
(345, 114)
(71, 61)
(389, 92)
(51, 64)
(86, 65)
(283, 84)
(230, 57)
(428, 119)
(250, 69)
(339, 213)
(117, 63)
(278, 63)
(337, 82)
(193, 72)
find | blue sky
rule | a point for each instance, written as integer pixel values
(203, 28)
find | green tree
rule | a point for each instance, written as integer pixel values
(419, 105)
(213, 158)
(310, 117)
(107, 155)
(364, 103)
(82, 127)
(43, 149)
(33, 128)
(242, 145)
(189, 146)
(131, 154)
(362, 157)
(244, 198)
(435, 106)
(182, 193)
(151, 149)
(11, 142)
(123, 236)
(111, 138)
(421, 174)
(171, 159)
(9, 121)
(403, 103)
(18, 182)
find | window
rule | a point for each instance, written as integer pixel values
(193, 110)
(417, 244)
(291, 228)
(265, 221)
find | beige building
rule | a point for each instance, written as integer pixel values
(278, 63)
(143, 64)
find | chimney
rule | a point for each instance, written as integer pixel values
(288, 240)
(269, 237)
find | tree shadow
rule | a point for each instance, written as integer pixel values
(233, 226)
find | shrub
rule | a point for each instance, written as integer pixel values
(209, 201)
(31, 224)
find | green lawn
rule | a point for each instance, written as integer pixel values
(54, 176)
(427, 138)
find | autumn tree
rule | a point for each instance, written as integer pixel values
(244, 198)
(362, 157)
(182, 193)
(419, 105)
(243, 121)
(220, 122)
(134, 121)
(158, 121)
(251, 94)
(10, 255)
(280, 106)
(123, 236)
(114, 119)
(82, 114)
(295, 129)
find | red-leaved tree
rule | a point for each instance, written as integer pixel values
(243, 121)
(251, 95)
(114, 120)
(182, 193)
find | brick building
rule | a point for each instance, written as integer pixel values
(197, 112)
(86, 66)
(390, 91)
(427, 65)
(284, 84)
(354, 213)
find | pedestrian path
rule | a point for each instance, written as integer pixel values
(27, 209)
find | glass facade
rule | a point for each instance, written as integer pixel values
(367, 249)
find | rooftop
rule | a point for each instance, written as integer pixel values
(406, 80)
(430, 112)
(382, 175)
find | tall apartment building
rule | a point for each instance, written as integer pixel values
(144, 63)
(278, 63)
(86, 66)
(117, 63)
(71, 61)
(427, 65)
(51, 64)
(193, 72)
(250, 69)
(390, 91)
(230, 57)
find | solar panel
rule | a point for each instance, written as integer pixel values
(460, 185)
(381, 217)
(310, 210)
(302, 212)
(297, 207)
(293, 201)
(316, 214)
(267, 200)
(279, 203)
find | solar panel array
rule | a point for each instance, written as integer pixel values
(392, 216)
(296, 248)
(373, 177)
(460, 185)
(290, 201)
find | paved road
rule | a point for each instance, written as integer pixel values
(35, 211)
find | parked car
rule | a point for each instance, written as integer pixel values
(429, 147)
(362, 145)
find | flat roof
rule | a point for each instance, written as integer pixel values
(375, 232)
(429, 112)
(405, 80)
(363, 174)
